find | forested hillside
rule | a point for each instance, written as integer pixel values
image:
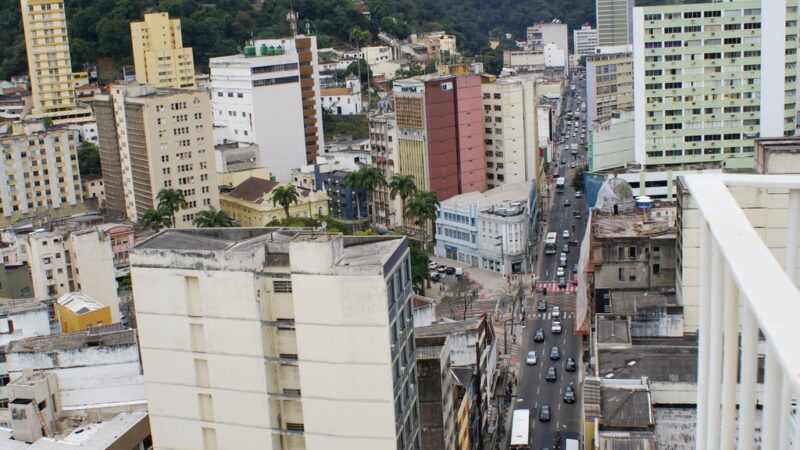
(99, 28)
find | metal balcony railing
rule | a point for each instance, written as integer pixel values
(737, 268)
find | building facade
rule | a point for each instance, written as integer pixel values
(554, 34)
(614, 22)
(250, 203)
(610, 143)
(710, 78)
(41, 170)
(609, 84)
(270, 95)
(158, 53)
(275, 368)
(436, 393)
(383, 145)
(343, 100)
(584, 41)
(153, 139)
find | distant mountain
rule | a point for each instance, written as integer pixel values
(100, 28)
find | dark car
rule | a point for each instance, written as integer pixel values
(569, 366)
(555, 353)
(572, 165)
(562, 282)
(450, 270)
(538, 336)
(567, 202)
(541, 306)
(563, 160)
(569, 395)
(551, 374)
(544, 413)
(574, 268)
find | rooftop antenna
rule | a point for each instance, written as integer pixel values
(291, 17)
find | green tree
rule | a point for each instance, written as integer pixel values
(284, 196)
(402, 185)
(360, 69)
(212, 218)
(421, 208)
(371, 179)
(461, 294)
(171, 200)
(157, 218)
(89, 159)
(419, 269)
(577, 180)
(359, 36)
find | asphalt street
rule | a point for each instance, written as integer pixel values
(533, 391)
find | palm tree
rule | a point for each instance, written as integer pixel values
(285, 195)
(365, 179)
(171, 199)
(421, 207)
(212, 218)
(353, 180)
(402, 185)
(157, 218)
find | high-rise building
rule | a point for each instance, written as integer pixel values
(158, 53)
(153, 139)
(510, 128)
(440, 136)
(388, 212)
(614, 22)
(609, 83)
(41, 170)
(584, 41)
(44, 23)
(270, 95)
(710, 78)
(240, 350)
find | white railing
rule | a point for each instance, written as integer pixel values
(737, 268)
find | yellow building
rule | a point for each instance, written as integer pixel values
(250, 203)
(77, 312)
(44, 24)
(158, 53)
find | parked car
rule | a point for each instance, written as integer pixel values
(555, 311)
(531, 358)
(544, 413)
(551, 374)
(541, 306)
(569, 365)
(569, 395)
(555, 353)
(432, 265)
(441, 268)
(555, 327)
(436, 276)
(538, 336)
(562, 282)
(450, 270)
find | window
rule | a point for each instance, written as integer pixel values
(716, 13)
(632, 252)
(621, 274)
(656, 269)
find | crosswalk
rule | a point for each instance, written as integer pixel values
(552, 286)
(549, 315)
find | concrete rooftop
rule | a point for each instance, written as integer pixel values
(671, 360)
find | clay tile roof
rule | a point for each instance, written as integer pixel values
(254, 190)
(328, 92)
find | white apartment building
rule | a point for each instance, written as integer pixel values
(614, 22)
(584, 41)
(555, 32)
(377, 54)
(270, 95)
(510, 122)
(41, 170)
(153, 139)
(277, 338)
(75, 261)
(343, 100)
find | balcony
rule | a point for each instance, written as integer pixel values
(744, 291)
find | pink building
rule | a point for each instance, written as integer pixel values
(122, 240)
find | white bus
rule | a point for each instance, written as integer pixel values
(560, 185)
(572, 444)
(520, 427)
(550, 247)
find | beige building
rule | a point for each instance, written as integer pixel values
(159, 55)
(609, 84)
(512, 147)
(385, 157)
(41, 171)
(153, 139)
(44, 23)
(239, 351)
(93, 190)
(250, 203)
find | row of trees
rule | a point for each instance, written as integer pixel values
(170, 201)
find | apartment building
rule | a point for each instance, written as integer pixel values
(41, 170)
(614, 22)
(158, 53)
(710, 78)
(553, 39)
(270, 95)
(388, 212)
(440, 134)
(153, 139)
(239, 351)
(510, 128)
(44, 24)
(609, 83)
(584, 41)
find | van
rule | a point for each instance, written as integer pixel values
(459, 272)
(563, 260)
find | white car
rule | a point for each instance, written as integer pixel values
(432, 265)
(560, 272)
(555, 312)
(531, 358)
(565, 234)
(555, 327)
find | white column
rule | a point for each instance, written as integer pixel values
(715, 347)
(773, 378)
(703, 338)
(747, 388)
(792, 232)
(785, 412)
(730, 361)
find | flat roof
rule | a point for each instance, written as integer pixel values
(20, 305)
(93, 436)
(443, 329)
(630, 303)
(429, 352)
(633, 224)
(628, 440)
(71, 341)
(79, 303)
(626, 407)
(671, 360)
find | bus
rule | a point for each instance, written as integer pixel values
(520, 427)
(550, 247)
(572, 444)
(560, 185)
